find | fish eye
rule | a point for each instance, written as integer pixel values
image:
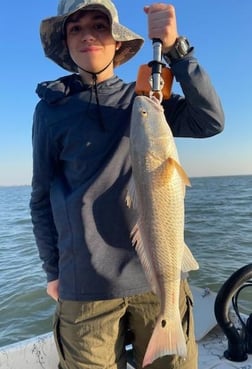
(144, 113)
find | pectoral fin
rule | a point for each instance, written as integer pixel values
(181, 172)
(164, 172)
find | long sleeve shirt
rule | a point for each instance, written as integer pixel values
(81, 170)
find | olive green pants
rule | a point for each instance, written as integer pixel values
(91, 335)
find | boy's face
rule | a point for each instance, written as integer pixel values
(89, 40)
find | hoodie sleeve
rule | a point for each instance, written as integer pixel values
(44, 164)
(199, 112)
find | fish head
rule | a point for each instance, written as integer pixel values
(149, 128)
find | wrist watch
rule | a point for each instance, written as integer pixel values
(180, 49)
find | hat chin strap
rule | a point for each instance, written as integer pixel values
(94, 74)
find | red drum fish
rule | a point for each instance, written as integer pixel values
(157, 191)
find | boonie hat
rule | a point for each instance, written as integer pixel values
(52, 37)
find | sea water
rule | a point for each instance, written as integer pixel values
(218, 230)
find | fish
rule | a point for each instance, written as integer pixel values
(157, 191)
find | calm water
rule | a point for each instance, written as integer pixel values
(218, 230)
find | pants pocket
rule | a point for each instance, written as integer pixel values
(187, 317)
(56, 332)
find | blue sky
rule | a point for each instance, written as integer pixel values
(220, 31)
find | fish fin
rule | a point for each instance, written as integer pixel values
(144, 257)
(181, 172)
(167, 339)
(131, 199)
(188, 261)
(165, 171)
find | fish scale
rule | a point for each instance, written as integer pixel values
(157, 191)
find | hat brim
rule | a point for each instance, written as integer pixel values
(55, 48)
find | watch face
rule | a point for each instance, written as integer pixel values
(182, 46)
(179, 50)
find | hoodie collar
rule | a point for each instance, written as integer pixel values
(54, 91)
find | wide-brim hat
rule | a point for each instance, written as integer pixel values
(53, 40)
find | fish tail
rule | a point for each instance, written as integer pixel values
(167, 339)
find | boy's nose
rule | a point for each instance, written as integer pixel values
(87, 35)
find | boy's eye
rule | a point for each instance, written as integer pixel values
(74, 29)
(101, 26)
(98, 27)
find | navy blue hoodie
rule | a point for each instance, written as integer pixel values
(81, 168)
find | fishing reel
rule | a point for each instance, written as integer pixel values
(239, 340)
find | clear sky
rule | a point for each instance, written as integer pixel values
(220, 31)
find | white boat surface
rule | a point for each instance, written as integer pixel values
(40, 352)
